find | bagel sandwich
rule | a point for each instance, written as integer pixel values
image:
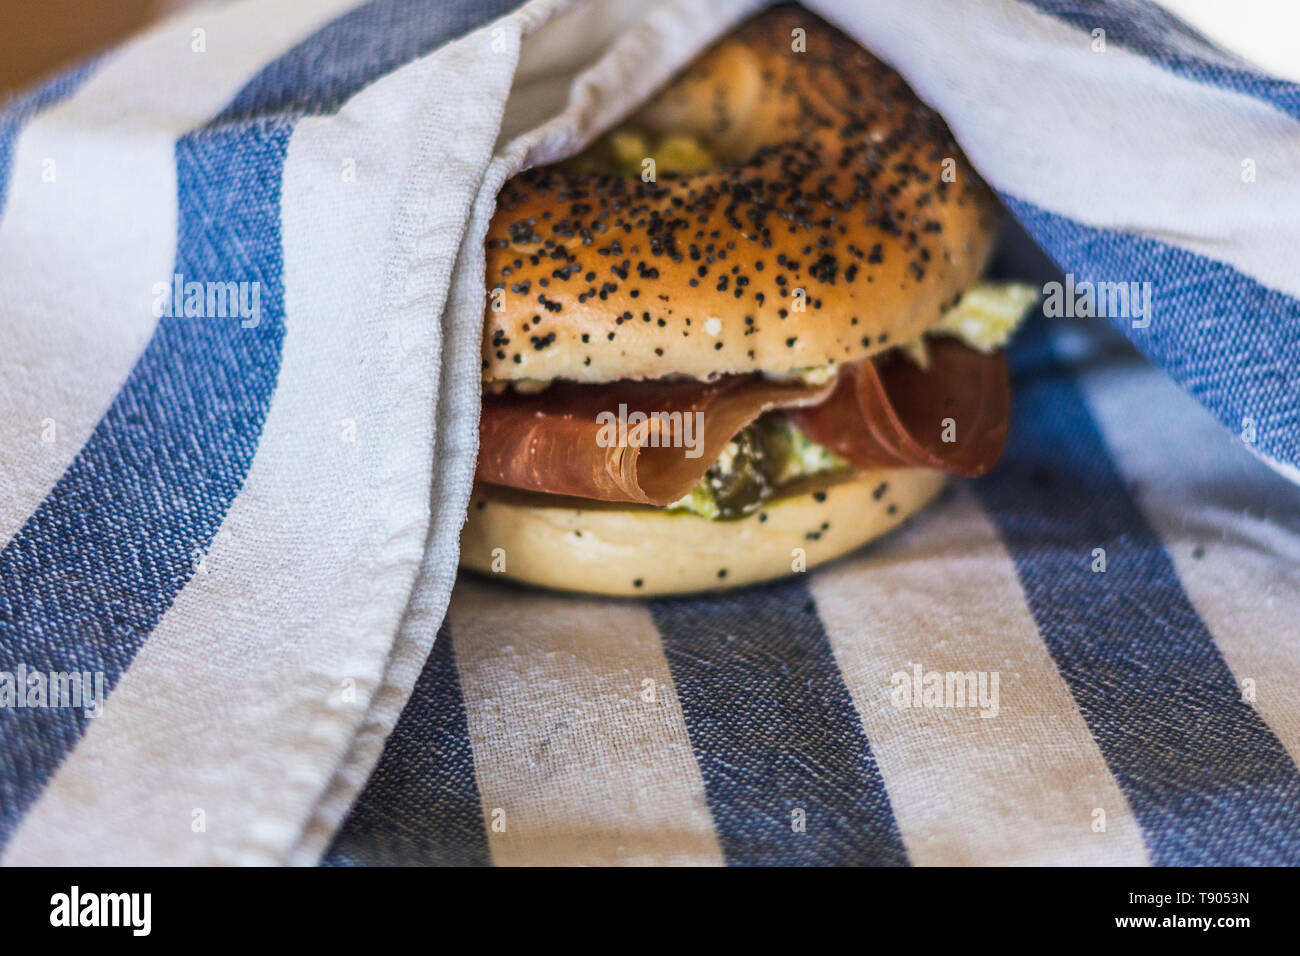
(740, 335)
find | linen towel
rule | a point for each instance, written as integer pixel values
(246, 522)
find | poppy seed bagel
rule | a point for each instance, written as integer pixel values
(575, 545)
(839, 219)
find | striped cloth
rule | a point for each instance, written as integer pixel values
(246, 524)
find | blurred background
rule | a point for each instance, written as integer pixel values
(40, 37)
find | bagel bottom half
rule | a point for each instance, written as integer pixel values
(597, 548)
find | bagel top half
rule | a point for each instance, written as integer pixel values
(838, 218)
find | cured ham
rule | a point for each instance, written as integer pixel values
(557, 440)
(951, 415)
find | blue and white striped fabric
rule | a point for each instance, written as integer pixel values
(248, 524)
(1122, 735)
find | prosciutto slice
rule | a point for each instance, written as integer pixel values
(952, 415)
(883, 413)
(558, 440)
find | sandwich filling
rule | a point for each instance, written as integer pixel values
(775, 452)
(721, 449)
